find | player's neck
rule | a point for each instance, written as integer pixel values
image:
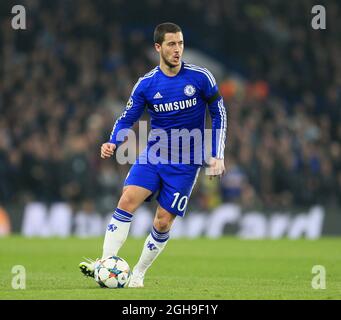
(169, 71)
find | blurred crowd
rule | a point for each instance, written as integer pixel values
(67, 78)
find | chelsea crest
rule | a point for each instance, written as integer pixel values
(189, 90)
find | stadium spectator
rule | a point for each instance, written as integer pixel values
(5, 224)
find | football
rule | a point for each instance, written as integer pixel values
(112, 272)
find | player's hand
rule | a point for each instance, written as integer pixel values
(216, 168)
(107, 150)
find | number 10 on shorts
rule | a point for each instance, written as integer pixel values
(182, 202)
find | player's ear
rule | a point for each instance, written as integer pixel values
(157, 47)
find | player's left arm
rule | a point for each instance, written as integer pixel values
(218, 114)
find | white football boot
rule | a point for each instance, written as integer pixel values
(136, 280)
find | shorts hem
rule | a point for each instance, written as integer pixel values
(141, 186)
(170, 210)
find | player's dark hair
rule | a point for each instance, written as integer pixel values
(162, 29)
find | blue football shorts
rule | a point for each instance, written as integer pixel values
(173, 183)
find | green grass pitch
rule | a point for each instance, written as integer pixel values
(222, 269)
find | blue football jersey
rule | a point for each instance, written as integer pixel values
(177, 104)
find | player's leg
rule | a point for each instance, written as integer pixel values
(141, 182)
(153, 246)
(118, 228)
(119, 225)
(177, 185)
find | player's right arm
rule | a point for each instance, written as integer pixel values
(130, 115)
(107, 150)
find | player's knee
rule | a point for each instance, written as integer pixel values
(127, 202)
(163, 223)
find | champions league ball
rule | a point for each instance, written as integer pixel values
(112, 272)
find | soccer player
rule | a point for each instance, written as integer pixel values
(176, 95)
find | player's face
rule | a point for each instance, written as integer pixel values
(171, 49)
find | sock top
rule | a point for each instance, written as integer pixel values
(159, 236)
(122, 215)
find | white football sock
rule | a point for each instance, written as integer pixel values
(154, 244)
(117, 232)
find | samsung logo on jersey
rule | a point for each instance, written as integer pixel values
(177, 105)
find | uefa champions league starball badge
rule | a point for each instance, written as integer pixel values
(189, 90)
(129, 103)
